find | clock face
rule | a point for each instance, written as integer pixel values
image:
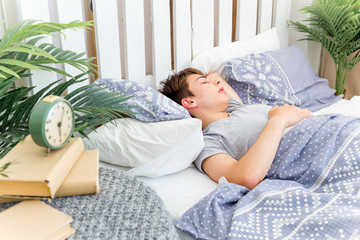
(58, 124)
(51, 122)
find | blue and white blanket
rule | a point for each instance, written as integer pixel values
(310, 192)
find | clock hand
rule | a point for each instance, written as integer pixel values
(62, 116)
(60, 124)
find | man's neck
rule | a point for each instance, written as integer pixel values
(210, 117)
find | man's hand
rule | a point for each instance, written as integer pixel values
(288, 115)
(251, 169)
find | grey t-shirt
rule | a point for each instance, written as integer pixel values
(235, 134)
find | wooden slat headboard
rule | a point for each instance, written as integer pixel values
(181, 29)
(146, 43)
(181, 34)
(107, 38)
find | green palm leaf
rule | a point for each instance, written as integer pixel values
(21, 64)
(20, 50)
(32, 28)
(92, 106)
(336, 25)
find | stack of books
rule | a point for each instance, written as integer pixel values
(34, 174)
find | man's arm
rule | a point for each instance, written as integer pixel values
(251, 169)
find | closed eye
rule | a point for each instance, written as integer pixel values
(203, 79)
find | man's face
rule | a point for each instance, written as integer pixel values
(208, 92)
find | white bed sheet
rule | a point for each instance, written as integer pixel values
(181, 190)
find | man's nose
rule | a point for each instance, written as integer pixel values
(215, 81)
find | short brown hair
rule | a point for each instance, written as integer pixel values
(175, 86)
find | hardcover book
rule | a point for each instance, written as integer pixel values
(34, 220)
(33, 172)
(82, 179)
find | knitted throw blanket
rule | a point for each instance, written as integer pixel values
(125, 208)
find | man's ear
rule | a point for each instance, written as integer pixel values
(188, 102)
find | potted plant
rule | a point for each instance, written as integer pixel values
(336, 25)
(21, 50)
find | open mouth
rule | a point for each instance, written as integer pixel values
(222, 90)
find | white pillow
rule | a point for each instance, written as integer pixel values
(152, 149)
(213, 60)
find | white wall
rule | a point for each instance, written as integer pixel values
(311, 49)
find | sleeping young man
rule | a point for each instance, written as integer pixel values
(240, 140)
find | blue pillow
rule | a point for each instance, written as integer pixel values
(150, 105)
(279, 77)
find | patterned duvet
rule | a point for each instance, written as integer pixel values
(310, 192)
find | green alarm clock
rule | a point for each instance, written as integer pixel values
(52, 122)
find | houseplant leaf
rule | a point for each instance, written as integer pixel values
(335, 24)
(22, 48)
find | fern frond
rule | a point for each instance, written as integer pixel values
(336, 25)
(31, 28)
(92, 106)
(21, 49)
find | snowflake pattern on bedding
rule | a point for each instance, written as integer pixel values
(257, 78)
(150, 105)
(312, 190)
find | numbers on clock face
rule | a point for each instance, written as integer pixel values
(58, 124)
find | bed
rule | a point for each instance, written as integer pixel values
(182, 190)
(196, 203)
(136, 49)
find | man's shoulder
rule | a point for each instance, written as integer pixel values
(233, 105)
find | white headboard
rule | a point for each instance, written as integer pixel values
(180, 29)
(146, 40)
